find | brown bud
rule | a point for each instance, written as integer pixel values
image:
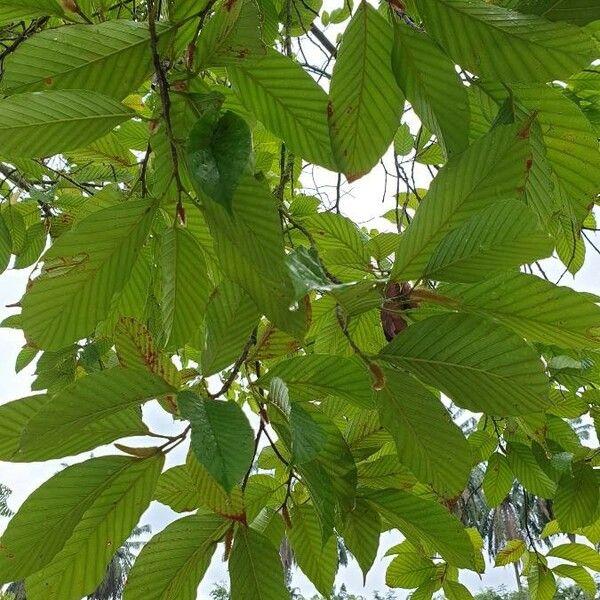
(378, 376)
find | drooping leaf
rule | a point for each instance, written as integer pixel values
(365, 102)
(231, 316)
(322, 375)
(432, 86)
(577, 553)
(424, 519)
(578, 12)
(361, 530)
(288, 102)
(528, 471)
(577, 495)
(318, 561)
(498, 480)
(38, 124)
(427, 441)
(408, 569)
(510, 553)
(53, 513)
(185, 285)
(535, 308)
(173, 562)
(84, 269)
(475, 354)
(222, 438)
(255, 568)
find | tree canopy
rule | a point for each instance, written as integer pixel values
(156, 160)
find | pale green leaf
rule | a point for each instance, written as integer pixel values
(255, 568)
(365, 102)
(504, 45)
(428, 442)
(512, 551)
(501, 237)
(318, 561)
(106, 523)
(432, 86)
(38, 124)
(288, 102)
(63, 58)
(490, 170)
(497, 481)
(84, 269)
(172, 564)
(463, 354)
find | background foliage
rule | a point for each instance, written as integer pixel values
(155, 158)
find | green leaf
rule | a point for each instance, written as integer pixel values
(535, 308)
(428, 442)
(64, 59)
(231, 316)
(577, 496)
(476, 34)
(88, 412)
(172, 564)
(403, 141)
(249, 244)
(49, 517)
(19, 10)
(432, 86)
(14, 416)
(35, 242)
(421, 519)
(185, 285)
(34, 125)
(580, 554)
(578, 12)
(490, 170)
(5, 245)
(510, 553)
(500, 237)
(288, 102)
(255, 568)
(222, 438)
(364, 101)
(580, 576)
(318, 561)
(409, 569)
(361, 530)
(136, 349)
(540, 582)
(456, 591)
(497, 481)
(106, 523)
(232, 36)
(528, 471)
(570, 144)
(475, 354)
(322, 375)
(218, 152)
(84, 269)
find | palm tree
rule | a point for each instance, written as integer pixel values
(115, 577)
(5, 492)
